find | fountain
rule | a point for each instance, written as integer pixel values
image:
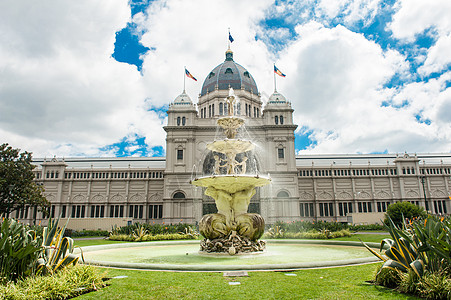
(232, 229)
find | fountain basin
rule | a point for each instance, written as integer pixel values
(231, 183)
(184, 256)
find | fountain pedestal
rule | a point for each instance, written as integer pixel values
(232, 230)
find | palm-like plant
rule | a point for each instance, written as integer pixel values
(58, 249)
(433, 236)
(403, 252)
(276, 232)
(19, 249)
(139, 232)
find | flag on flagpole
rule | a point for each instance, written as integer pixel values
(188, 74)
(278, 72)
(230, 38)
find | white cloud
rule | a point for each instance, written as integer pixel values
(336, 85)
(185, 35)
(62, 93)
(351, 11)
(415, 16)
(438, 57)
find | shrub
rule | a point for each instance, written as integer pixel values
(403, 210)
(277, 233)
(151, 228)
(68, 283)
(420, 253)
(390, 278)
(150, 237)
(435, 285)
(83, 233)
(19, 250)
(57, 251)
(409, 282)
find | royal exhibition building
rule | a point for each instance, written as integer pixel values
(98, 193)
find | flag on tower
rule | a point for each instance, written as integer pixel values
(230, 38)
(278, 72)
(188, 74)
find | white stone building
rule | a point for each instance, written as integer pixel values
(101, 192)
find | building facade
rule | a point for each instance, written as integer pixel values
(102, 192)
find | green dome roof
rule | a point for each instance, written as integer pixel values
(227, 75)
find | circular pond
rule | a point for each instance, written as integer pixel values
(184, 256)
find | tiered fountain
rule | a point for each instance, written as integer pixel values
(232, 229)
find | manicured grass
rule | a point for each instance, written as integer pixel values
(334, 283)
(366, 237)
(93, 242)
(331, 283)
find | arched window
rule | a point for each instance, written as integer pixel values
(281, 153)
(183, 121)
(178, 121)
(276, 119)
(179, 195)
(282, 194)
(281, 119)
(221, 108)
(228, 71)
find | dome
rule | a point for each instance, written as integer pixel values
(277, 97)
(183, 98)
(229, 74)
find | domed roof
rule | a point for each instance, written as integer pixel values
(183, 98)
(227, 75)
(277, 97)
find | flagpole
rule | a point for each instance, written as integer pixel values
(274, 73)
(184, 79)
(228, 40)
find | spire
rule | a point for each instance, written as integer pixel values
(229, 55)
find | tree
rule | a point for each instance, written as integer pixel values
(17, 188)
(398, 210)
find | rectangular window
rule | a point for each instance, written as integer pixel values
(78, 211)
(306, 209)
(156, 211)
(280, 153)
(179, 154)
(136, 211)
(116, 211)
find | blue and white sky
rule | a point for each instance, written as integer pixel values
(95, 77)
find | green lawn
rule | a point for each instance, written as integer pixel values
(366, 237)
(332, 283)
(83, 242)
